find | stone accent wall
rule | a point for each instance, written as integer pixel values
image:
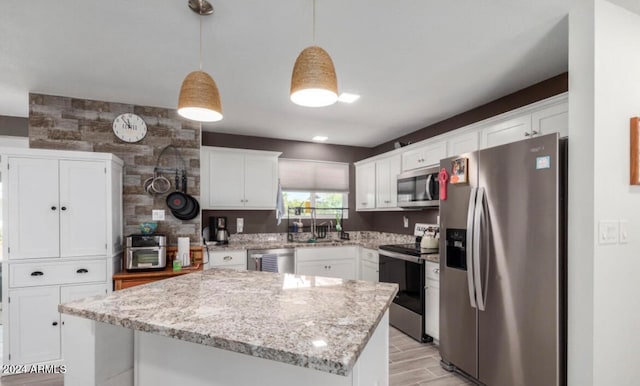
(66, 123)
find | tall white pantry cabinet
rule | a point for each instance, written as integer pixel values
(61, 241)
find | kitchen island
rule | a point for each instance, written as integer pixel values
(225, 327)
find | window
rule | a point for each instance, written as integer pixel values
(318, 200)
(316, 184)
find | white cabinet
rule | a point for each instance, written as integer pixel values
(338, 262)
(35, 325)
(35, 322)
(376, 183)
(387, 171)
(63, 216)
(231, 259)
(432, 299)
(369, 265)
(551, 119)
(462, 143)
(428, 155)
(238, 178)
(512, 130)
(366, 186)
(62, 204)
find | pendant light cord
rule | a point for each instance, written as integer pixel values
(200, 52)
(314, 22)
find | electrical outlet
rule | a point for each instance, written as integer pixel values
(239, 225)
(405, 220)
(608, 232)
(157, 214)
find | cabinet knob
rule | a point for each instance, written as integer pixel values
(82, 270)
(54, 323)
(227, 258)
(63, 208)
(534, 132)
(37, 273)
(436, 270)
(526, 134)
(53, 208)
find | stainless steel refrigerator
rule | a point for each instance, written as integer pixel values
(502, 266)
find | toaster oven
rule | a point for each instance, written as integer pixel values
(146, 252)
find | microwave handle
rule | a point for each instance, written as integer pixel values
(428, 187)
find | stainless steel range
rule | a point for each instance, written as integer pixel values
(404, 265)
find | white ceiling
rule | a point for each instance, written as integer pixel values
(415, 62)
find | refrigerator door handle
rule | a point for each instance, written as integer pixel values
(479, 215)
(428, 187)
(469, 246)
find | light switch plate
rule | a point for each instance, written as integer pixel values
(608, 232)
(239, 225)
(157, 214)
(405, 221)
(624, 231)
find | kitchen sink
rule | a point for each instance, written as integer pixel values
(324, 241)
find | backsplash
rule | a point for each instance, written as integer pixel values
(66, 123)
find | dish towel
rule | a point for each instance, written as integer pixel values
(279, 205)
(270, 263)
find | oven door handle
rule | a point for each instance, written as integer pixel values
(470, 239)
(400, 256)
(428, 187)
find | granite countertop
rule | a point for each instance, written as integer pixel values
(267, 315)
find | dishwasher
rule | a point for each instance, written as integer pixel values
(271, 260)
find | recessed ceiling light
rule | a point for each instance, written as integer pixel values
(319, 138)
(348, 98)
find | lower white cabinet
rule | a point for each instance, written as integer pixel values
(338, 262)
(35, 324)
(231, 259)
(369, 265)
(432, 299)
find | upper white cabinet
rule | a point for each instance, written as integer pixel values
(508, 131)
(428, 155)
(238, 178)
(376, 183)
(387, 171)
(366, 186)
(60, 207)
(543, 119)
(463, 143)
(551, 119)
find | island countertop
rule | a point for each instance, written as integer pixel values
(314, 322)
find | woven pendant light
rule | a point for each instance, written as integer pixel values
(199, 98)
(314, 82)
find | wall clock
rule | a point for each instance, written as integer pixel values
(129, 127)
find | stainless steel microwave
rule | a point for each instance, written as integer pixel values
(419, 188)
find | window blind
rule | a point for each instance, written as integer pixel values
(316, 176)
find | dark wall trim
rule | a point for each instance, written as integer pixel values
(537, 92)
(14, 126)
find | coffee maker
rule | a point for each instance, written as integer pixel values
(218, 229)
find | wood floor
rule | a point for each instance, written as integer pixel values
(417, 364)
(410, 364)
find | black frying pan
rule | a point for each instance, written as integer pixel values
(185, 206)
(177, 201)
